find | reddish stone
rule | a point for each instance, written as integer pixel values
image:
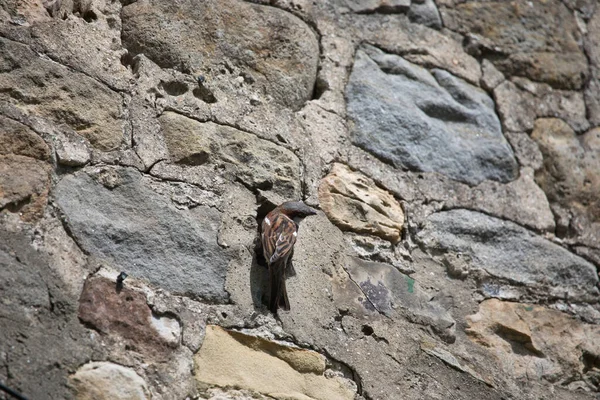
(122, 312)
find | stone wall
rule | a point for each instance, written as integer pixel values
(451, 147)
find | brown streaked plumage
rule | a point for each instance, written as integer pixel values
(279, 232)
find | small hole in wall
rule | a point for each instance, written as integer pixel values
(265, 185)
(198, 158)
(89, 16)
(264, 207)
(204, 94)
(224, 315)
(127, 60)
(321, 86)
(175, 88)
(281, 138)
(367, 330)
(590, 361)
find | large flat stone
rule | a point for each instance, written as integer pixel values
(509, 253)
(277, 52)
(430, 122)
(142, 233)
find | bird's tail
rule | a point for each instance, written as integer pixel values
(278, 294)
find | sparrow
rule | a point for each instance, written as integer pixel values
(279, 232)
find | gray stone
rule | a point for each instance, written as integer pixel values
(159, 90)
(65, 258)
(71, 149)
(426, 13)
(204, 176)
(491, 77)
(526, 149)
(564, 104)
(372, 248)
(337, 55)
(499, 200)
(276, 52)
(327, 134)
(439, 123)
(173, 249)
(516, 109)
(310, 283)
(592, 41)
(124, 158)
(41, 338)
(451, 360)
(389, 291)
(585, 8)
(510, 253)
(592, 98)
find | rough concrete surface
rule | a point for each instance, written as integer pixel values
(450, 147)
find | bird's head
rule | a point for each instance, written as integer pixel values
(296, 209)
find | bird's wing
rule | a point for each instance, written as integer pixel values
(278, 238)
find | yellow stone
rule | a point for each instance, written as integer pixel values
(353, 202)
(233, 359)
